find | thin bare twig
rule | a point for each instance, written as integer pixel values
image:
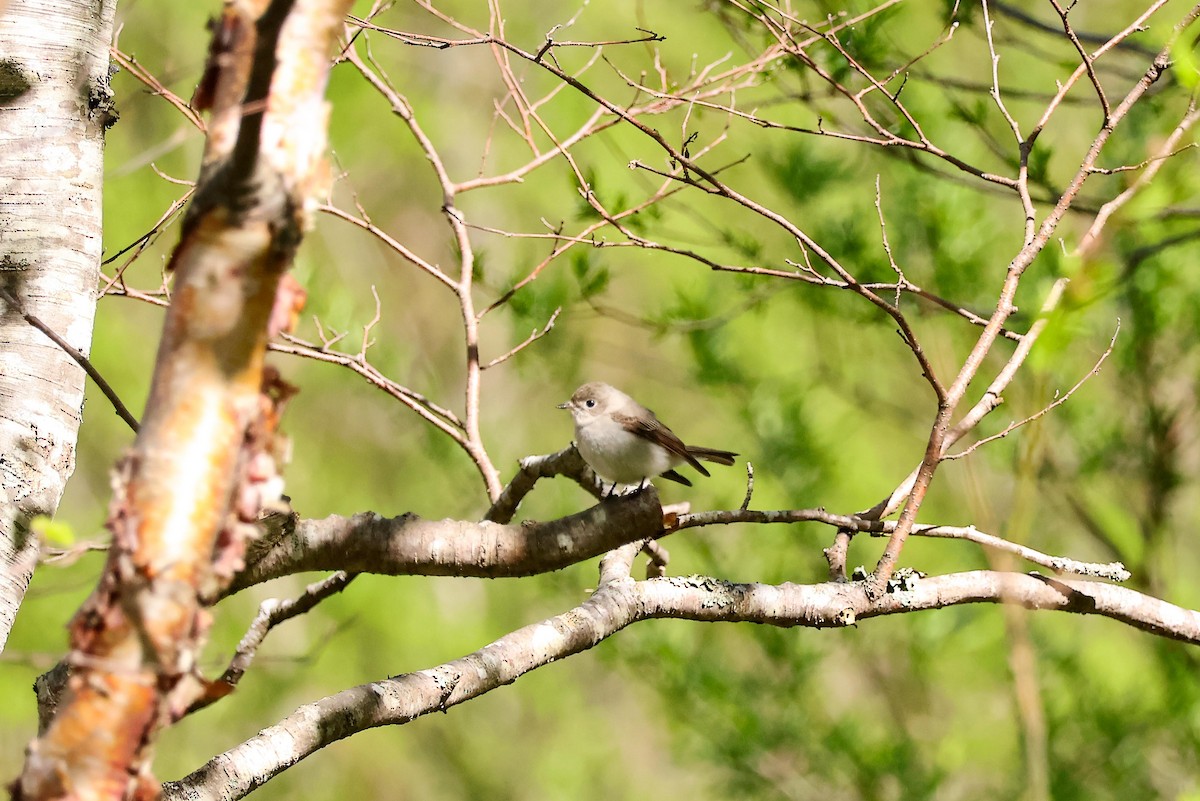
(1087, 61)
(566, 462)
(83, 361)
(470, 437)
(659, 558)
(442, 418)
(1036, 238)
(156, 86)
(408, 255)
(271, 613)
(148, 237)
(1114, 571)
(992, 397)
(1169, 148)
(367, 342)
(1058, 401)
(1065, 86)
(749, 486)
(534, 336)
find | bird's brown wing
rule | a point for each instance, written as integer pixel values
(649, 427)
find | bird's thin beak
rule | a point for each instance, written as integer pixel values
(566, 405)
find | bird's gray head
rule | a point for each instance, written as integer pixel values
(593, 400)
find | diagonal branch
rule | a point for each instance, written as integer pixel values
(271, 613)
(619, 601)
(118, 406)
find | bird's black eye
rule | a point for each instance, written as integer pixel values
(589, 403)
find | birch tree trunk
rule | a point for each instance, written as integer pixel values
(54, 105)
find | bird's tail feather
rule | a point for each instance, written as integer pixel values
(712, 455)
(671, 474)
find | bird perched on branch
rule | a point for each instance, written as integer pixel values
(624, 442)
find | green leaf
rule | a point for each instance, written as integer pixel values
(593, 279)
(1183, 62)
(52, 532)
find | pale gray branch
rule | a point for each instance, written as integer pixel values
(1114, 571)
(620, 601)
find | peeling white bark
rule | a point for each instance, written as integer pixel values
(54, 101)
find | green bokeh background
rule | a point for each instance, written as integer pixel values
(811, 385)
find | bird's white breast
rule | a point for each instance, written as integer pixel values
(617, 455)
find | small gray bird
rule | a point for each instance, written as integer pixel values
(624, 442)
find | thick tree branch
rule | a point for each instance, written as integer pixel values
(202, 463)
(620, 601)
(410, 545)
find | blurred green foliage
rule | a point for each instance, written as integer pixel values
(810, 384)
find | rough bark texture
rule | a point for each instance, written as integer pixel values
(202, 465)
(411, 545)
(54, 105)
